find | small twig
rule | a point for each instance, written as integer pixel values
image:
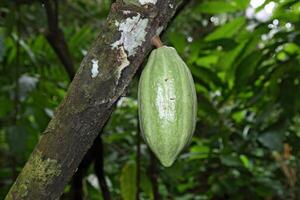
(153, 176)
(17, 86)
(56, 37)
(76, 184)
(17, 72)
(99, 167)
(77, 192)
(180, 6)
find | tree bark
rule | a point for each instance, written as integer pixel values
(102, 78)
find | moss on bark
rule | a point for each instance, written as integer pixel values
(39, 172)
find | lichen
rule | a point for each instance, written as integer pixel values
(126, 12)
(143, 2)
(122, 57)
(95, 68)
(133, 33)
(36, 175)
(159, 30)
(132, 2)
(23, 191)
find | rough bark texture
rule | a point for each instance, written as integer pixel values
(102, 78)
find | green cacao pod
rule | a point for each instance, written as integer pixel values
(167, 104)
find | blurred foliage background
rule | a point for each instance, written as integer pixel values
(245, 59)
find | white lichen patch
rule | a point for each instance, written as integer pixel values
(159, 30)
(143, 2)
(117, 23)
(133, 33)
(126, 12)
(171, 5)
(123, 59)
(95, 68)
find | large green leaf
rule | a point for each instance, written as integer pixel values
(206, 75)
(16, 137)
(216, 7)
(272, 140)
(146, 185)
(227, 30)
(246, 69)
(243, 4)
(128, 181)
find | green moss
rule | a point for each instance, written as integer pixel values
(23, 190)
(35, 176)
(132, 2)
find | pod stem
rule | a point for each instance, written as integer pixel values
(156, 41)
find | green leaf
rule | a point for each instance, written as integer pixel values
(227, 59)
(230, 160)
(217, 7)
(242, 4)
(206, 75)
(272, 140)
(206, 108)
(178, 41)
(6, 106)
(208, 60)
(199, 152)
(128, 181)
(146, 185)
(16, 137)
(245, 161)
(246, 69)
(228, 30)
(291, 48)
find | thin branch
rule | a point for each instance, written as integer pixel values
(99, 167)
(181, 6)
(17, 68)
(153, 176)
(17, 85)
(138, 163)
(56, 37)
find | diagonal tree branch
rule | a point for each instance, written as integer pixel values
(56, 39)
(102, 78)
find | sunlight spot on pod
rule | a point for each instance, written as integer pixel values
(133, 33)
(165, 109)
(143, 2)
(95, 68)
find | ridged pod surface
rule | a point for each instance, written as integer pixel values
(167, 104)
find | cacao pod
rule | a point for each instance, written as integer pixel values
(167, 104)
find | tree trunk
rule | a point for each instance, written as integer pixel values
(102, 78)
